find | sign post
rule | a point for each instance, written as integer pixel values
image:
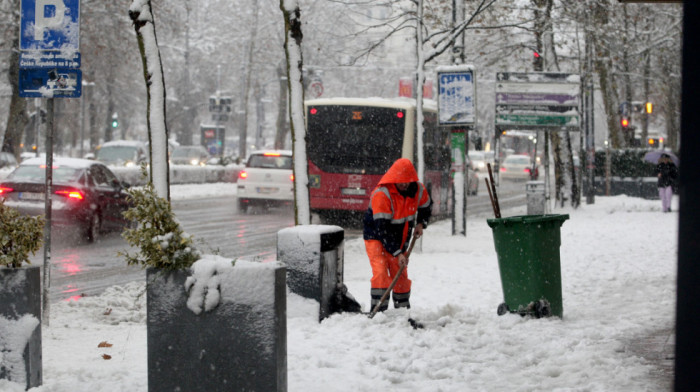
(534, 101)
(49, 68)
(456, 109)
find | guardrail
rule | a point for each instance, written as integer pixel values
(183, 174)
(179, 174)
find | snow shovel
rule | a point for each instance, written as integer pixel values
(393, 282)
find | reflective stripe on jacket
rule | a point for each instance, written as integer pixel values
(390, 216)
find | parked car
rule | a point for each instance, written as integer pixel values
(189, 155)
(267, 180)
(86, 195)
(122, 153)
(518, 167)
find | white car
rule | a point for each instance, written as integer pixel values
(517, 167)
(479, 159)
(122, 153)
(267, 180)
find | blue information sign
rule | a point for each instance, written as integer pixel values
(456, 96)
(50, 25)
(50, 83)
(49, 59)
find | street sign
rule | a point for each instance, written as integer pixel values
(50, 83)
(49, 59)
(50, 25)
(456, 95)
(537, 120)
(537, 99)
(213, 138)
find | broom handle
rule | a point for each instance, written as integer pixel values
(493, 189)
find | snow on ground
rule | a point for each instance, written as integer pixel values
(618, 265)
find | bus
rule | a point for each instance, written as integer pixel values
(352, 142)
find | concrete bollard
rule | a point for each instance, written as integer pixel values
(20, 326)
(239, 345)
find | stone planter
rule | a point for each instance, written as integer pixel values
(233, 338)
(20, 326)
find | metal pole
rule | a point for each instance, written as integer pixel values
(37, 123)
(82, 120)
(47, 210)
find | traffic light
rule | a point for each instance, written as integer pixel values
(115, 121)
(625, 123)
(648, 107)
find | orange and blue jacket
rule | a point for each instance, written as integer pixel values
(392, 215)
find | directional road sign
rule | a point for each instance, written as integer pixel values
(537, 99)
(50, 25)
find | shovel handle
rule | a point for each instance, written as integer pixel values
(393, 282)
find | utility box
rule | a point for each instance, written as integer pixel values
(314, 258)
(535, 197)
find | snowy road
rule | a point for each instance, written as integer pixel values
(208, 213)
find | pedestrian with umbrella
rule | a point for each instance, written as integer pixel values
(667, 173)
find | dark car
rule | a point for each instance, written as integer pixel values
(86, 195)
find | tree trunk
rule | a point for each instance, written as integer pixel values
(292, 49)
(282, 126)
(243, 138)
(555, 139)
(17, 119)
(155, 88)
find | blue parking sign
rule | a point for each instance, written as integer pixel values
(50, 25)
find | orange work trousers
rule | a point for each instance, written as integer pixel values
(384, 268)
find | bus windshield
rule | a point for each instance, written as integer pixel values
(354, 139)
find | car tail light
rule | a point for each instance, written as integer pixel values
(242, 175)
(71, 194)
(5, 190)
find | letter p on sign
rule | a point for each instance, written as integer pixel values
(50, 25)
(49, 15)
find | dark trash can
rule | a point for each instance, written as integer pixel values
(528, 260)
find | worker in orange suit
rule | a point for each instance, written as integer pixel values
(398, 205)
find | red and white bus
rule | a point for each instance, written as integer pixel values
(352, 142)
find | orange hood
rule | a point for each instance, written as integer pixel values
(402, 171)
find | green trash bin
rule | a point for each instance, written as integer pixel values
(528, 260)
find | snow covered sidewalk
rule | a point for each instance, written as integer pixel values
(618, 260)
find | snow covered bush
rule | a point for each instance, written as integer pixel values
(157, 235)
(19, 235)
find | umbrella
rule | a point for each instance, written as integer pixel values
(654, 155)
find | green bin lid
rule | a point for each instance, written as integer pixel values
(527, 219)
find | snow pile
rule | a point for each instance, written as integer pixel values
(618, 266)
(13, 341)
